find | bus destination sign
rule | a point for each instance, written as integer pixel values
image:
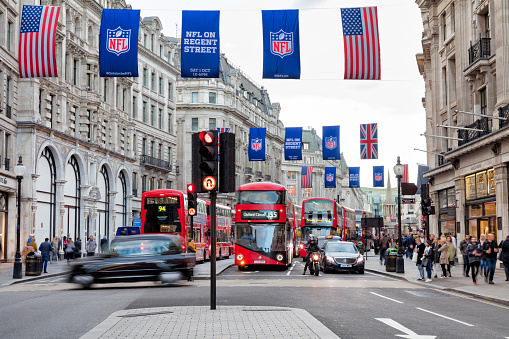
(260, 215)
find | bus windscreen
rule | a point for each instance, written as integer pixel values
(162, 215)
(261, 238)
(261, 197)
(318, 212)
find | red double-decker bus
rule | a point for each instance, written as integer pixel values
(349, 228)
(364, 234)
(223, 231)
(264, 224)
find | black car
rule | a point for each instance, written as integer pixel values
(341, 256)
(136, 258)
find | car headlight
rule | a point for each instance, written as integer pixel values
(240, 257)
(330, 259)
(279, 257)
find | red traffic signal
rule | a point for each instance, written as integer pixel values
(207, 137)
(190, 188)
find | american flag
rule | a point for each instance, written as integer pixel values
(37, 57)
(369, 141)
(362, 48)
(306, 177)
(405, 173)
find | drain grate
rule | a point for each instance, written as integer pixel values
(143, 314)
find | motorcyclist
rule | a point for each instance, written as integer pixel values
(311, 246)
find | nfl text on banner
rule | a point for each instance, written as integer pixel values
(369, 141)
(293, 143)
(118, 43)
(330, 177)
(200, 44)
(330, 143)
(354, 177)
(281, 50)
(378, 176)
(256, 150)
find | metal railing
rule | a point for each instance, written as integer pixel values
(153, 161)
(8, 111)
(483, 124)
(268, 177)
(259, 174)
(480, 50)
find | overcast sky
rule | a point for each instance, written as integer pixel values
(321, 97)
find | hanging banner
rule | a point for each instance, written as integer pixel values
(281, 51)
(118, 43)
(330, 177)
(378, 176)
(256, 150)
(420, 177)
(330, 143)
(200, 44)
(293, 143)
(306, 177)
(369, 141)
(354, 176)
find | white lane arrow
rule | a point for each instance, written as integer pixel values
(409, 334)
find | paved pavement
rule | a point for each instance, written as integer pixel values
(201, 322)
(499, 292)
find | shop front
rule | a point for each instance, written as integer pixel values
(447, 211)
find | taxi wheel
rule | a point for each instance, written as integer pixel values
(361, 272)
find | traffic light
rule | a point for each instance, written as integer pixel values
(191, 200)
(227, 163)
(205, 161)
(427, 208)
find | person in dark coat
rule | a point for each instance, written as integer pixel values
(104, 244)
(420, 254)
(504, 256)
(474, 257)
(45, 249)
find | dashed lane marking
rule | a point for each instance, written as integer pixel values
(381, 296)
(445, 317)
(288, 273)
(473, 299)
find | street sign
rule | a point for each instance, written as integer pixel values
(191, 211)
(209, 183)
(408, 200)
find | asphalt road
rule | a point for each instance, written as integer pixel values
(351, 305)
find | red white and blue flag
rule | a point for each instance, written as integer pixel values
(223, 130)
(362, 48)
(37, 41)
(405, 173)
(369, 141)
(306, 177)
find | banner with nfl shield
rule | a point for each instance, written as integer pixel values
(118, 43)
(330, 143)
(281, 50)
(330, 177)
(256, 150)
(354, 177)
(293, 143)
(378, 176)
(200, 44)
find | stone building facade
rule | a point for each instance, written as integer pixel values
(465, 68)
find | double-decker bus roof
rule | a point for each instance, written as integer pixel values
(262, 186)
(161, 192)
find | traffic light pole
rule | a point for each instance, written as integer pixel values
(213, 196)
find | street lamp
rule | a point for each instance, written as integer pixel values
(19, 170)
(400, 262)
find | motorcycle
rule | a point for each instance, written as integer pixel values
(313, 265)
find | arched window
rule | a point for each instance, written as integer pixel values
(103, 205)
(121, 200)
(72, 198)
(45, 218)
(77, 28)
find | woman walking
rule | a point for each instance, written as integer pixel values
(474, 258)
(69, 250)
(436, 257)
(420, 252)
(444, 260)
(483, 267)
(54, 244)
(451, 254)
(427, 259)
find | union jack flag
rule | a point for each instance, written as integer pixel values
(219, 131)
(306, 177)
(369, 141)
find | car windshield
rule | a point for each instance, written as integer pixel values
(323, 241)
(146, 247)
(306, 232)
(337, 247)
(261, 238)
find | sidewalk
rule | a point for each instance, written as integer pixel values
(200, 322)
(202, 271)
(54, 269)
(499, 292)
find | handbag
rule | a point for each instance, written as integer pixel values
(414, 257)
(425, 262)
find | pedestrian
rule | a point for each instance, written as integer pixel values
(421, 236)
(474, 258)
(376, 244)
(463, 249)
(480, 244)
(33, 242)
(427, 259)
(77, 248)
(453, 239)
(54, 245)
(410, 246)
(436, 257)
(420, 253)
(45, 249)
(504, 256)
(104, 244)
(491, 249)
(384, 244)
(444, 259)
(91, 246)
(451, 253)
(69, 250)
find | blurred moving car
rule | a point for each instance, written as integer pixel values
(341, 256)
(155, 257)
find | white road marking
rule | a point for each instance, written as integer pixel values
(288, 273)
(446, 317)
(381, 296)
(408, 333)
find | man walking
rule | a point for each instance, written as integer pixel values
(474, 258)
(463, 249)
(45, 249)
(91, 246)
(410, 243)
(384, 244)
(491, 249)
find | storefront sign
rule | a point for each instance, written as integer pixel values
(480, 184)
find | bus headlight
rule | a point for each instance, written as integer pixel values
(240, 257)
(279, 257)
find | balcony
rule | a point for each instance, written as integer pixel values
(148, 160)
(7, 164)
(480, 50)
(8, 111)
(268, 177)
(482, 124)
(504, 113)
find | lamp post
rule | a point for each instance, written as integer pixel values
(19, 170)
(400, 261)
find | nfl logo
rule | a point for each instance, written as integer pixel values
(378, 176)
(330, 177)
(118, 40)
(281, 43)
(256, 144)
(330, 142)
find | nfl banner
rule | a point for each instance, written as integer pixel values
(256, 150)
(200, 44)
(378, 176)
(330, 177)
(293, 143)
(354, 175)
(330, 143)
(118, 43)
(281, 51)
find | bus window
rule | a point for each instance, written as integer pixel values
(162, 215)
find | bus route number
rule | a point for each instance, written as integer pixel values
(162, 208)
(260, 215)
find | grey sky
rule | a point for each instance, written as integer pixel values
(321, 97)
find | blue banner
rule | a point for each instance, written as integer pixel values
(378, 176)
(118, 43)
(354, 176)
(330, 143)
(293, 143)
(330, 177)
(281, 51)
(421, 169)
(200, 44)
(256, 150)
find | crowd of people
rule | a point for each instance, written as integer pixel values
(434, 256)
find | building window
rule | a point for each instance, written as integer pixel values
(480, 185)
(194, 97)
(212, 124)
(152, 183)
(305, 145)
(9, 36)
(487, 31)
(8, 92)
(152, 121)
(134, 108)
(89, 77)
(169, 155)
(124, 98)
(444, 78)
(444, 27)
(160, 183)
(160, 152)
(484, 106)
(105, 90)
(144, 40)
(144, 77)
(169, 91)
(152, 146)
(89, 125)
(453, 19)
(152, 42)
(161, 51)
(160, 118)
(169, 184)
(135, 145)
(144, 183)
(212, 98)
(75, 72)
(153, 82)
(161, 86)
(144, 146)
(135, 183)
(169, 122)
(194, 124)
